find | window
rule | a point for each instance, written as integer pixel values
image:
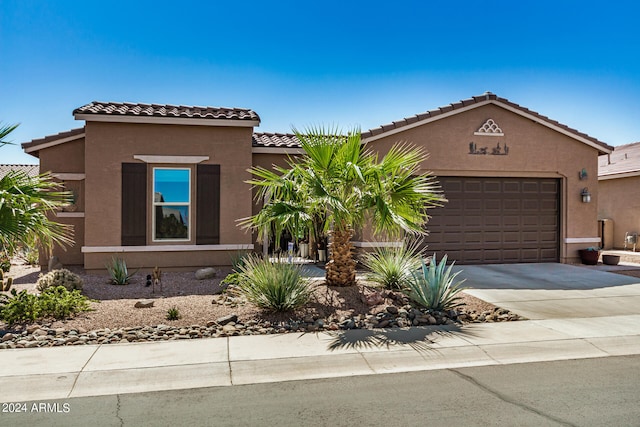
(184, 201)
(171, 203)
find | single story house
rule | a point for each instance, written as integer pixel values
(618, 201)
(165, 185)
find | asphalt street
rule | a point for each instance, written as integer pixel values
(586, 392)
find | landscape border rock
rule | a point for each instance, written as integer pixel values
(407, 316)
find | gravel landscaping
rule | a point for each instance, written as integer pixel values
(206, 311)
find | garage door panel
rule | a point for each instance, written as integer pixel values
(496, 220)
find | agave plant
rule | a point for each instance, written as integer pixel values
(118, 271)
(393, 267)
(273, 286)
(435, 287)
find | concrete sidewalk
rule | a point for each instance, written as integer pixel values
(93, 370)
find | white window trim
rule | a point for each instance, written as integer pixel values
(582, 240)
(151, 158)
(154, 204)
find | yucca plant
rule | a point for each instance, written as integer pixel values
(393, 267)
(273, 286)
(118, 272)
(435, 287)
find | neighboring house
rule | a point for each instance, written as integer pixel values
(30, 170)
(619, 191)
(164, 185)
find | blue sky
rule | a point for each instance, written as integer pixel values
(331, 62)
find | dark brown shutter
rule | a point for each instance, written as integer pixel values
(208, 205)
(134, 204)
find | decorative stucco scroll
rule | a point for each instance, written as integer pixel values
(489, 128)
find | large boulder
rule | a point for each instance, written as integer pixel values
(206, 273)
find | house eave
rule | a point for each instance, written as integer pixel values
(38, 147)
(629, 174)
(167, 120)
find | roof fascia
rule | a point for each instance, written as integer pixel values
(619, 175)
(53, 143)
(501, 105)
(167, 120)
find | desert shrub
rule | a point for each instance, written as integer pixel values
(31, 255)
(60, 303)
(393, 267)
(273, 286)
(56, 301)
(173, 314)
(19, 307)
(118, 272)
(5, 262)
(434, 287)
(61, 277)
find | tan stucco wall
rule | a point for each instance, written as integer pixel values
(618, 201)
(111, 144)
(534, 151)
(67, 158)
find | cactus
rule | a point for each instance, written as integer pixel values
(6, 284)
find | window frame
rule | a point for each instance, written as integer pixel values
(188, 204)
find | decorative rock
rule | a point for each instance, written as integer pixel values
(206, 273)
(392, 309)
(144, 303)
(227, 319)
(7, 337)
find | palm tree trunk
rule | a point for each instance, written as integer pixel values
(341, 268)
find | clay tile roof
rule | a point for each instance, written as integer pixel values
(474, 100)
(283, 140)
(30, 170)
(157, 110)
(51, 138)
(625, 159)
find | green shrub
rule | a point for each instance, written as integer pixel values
(60, 303)
(118, 272)
(5, 263)
(273, 286)
(232, 278)
(434, 287)
(31, 255)
(393, 267)
(173, 314)
(62, 277)
(56, 302)
(19, 307)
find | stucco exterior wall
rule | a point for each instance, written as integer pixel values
(111, 144)
(67, 158)
(616, 201)
(534, 151)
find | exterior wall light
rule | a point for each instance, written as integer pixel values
(583, 174)
(586, 196)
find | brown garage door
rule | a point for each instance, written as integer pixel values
(496, 220)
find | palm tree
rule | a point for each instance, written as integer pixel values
(342, 183)
(24, 204)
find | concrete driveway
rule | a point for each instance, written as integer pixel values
(553, 291)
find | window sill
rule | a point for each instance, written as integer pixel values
(70, 214)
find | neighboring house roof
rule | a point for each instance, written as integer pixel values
(265, 139)
(478, 101)
(159, 113)
(623, 162)
(30, 170)
(34, 145)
